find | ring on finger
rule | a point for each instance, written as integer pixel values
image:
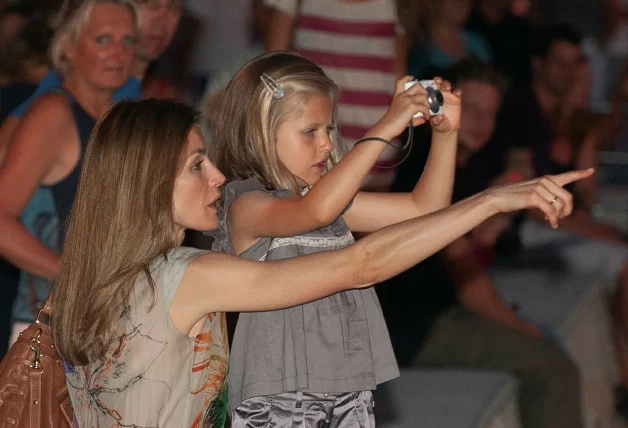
(553, 201)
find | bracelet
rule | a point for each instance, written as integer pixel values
(383, 140)
(407, 146)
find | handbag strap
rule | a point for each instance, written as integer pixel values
(47, 309)
(45, 313)
(35, 404)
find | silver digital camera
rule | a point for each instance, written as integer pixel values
(435, 97)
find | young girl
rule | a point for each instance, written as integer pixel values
(316, 361)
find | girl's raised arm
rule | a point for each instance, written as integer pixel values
(372, 211)
(256, 215)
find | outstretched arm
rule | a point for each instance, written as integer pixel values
(219, 282)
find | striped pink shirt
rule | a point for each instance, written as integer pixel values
(355, 43)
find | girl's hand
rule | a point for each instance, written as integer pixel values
(449, 121)
(404, 106)
(545, 193)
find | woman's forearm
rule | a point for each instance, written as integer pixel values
(398, 247)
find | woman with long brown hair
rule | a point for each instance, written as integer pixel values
(130, 306)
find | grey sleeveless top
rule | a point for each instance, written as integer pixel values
(337, 344)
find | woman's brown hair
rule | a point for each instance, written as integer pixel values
(121, 221)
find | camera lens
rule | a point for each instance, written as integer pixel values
(435, 99)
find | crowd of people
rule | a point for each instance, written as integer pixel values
(304, 118)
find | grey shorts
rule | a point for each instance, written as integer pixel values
(299, 409)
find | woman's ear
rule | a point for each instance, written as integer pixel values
(69, 48)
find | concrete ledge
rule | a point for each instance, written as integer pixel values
(448, 399)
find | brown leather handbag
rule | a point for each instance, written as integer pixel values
(33, 392)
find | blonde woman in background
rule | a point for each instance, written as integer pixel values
(93, 49)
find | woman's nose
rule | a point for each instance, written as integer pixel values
(217, 178)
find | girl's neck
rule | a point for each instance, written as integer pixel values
(93, 100)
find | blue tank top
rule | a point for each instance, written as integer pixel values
(40, 218)
(46, 217)
(52, 81)
(64, 191)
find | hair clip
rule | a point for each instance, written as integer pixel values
(272, 86)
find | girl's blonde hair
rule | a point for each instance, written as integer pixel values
(121, 221)
(71, 22)
(244, 138)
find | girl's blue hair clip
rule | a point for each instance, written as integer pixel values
(272, 86)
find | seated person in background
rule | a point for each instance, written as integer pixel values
(531, 114)
(548, 121)
(538, 120)
(466, 324)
